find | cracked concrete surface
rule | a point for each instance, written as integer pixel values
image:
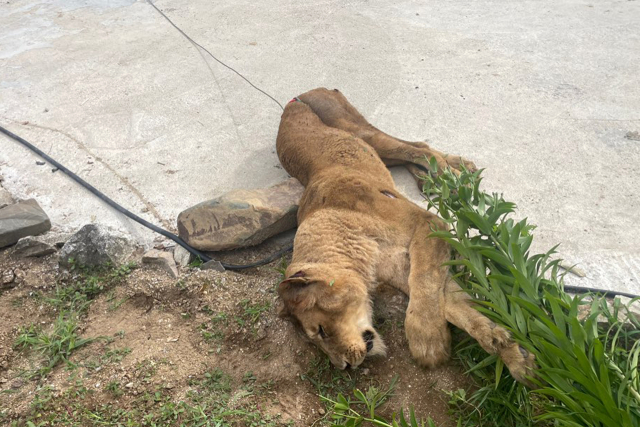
(540, 93)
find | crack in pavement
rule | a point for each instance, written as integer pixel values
(148, 205)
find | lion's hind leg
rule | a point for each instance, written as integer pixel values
(492, 338)
(336, 111)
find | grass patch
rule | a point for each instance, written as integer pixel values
(70, 299)
(361, 409)
(85, 284)
(54, 346)
(251, 312)
(588, 368)
(328, 381)
(210, 401)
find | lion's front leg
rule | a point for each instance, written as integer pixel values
(426, 325)
(428, 333)
(491, 337)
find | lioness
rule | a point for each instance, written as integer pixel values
(356, 231)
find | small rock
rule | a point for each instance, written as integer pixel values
(162, 259)
(25, 218)
(19, 275)
(365, 371)
(182, 256)
(260, 334)
(33, 247)
(129, 385)
(40, 163)
(17, 384)
(95, 245)
(172, 339)
(8, 276)
(241, 218)
(634, 136)
(212, 265)
(321, 411)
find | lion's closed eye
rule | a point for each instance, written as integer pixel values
(321, 332)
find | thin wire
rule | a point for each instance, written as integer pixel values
(211, 55)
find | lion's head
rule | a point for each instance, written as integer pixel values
(333, 310)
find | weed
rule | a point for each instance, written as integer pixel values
(55, 346)
(220, 318)
(210, 330)
(208, 402)
(114, 388)
(329, 381)
(249, 377)
(197, 262)
(86, 284)
(362, 409)
(251, 312)
(282, 267)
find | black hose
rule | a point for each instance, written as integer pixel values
(135, 217)
(603, 292)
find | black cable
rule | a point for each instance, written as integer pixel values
(211, 55)
(133, 216)
(603, 292)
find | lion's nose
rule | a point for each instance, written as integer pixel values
(368, 337)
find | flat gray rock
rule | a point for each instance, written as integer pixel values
(95, 245)
(241, 218)
(162, 259)
(33, 247)
(25, 218)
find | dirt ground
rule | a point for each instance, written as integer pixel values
(210, 339)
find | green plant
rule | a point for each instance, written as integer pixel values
(197, 262)
(362, 409)
(86, 284)
(328, 381)
(588, 369)
(282, 267)
(251, 311)
(55, 346)
(114, 388)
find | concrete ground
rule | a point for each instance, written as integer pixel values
(543, 94)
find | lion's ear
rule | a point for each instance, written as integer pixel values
(295, 293)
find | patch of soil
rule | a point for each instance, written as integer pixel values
(162, 339)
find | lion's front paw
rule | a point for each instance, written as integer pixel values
(429, 342)
(520, 362)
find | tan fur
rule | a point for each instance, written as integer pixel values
(356, 231)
